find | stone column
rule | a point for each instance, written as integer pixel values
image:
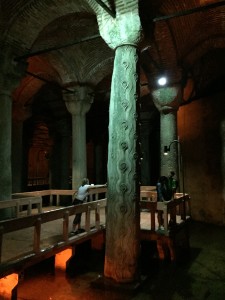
(10, 74)
(78, 104)
(167, 101)
(20, 114)
(123, 213)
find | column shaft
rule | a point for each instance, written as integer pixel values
(79, 159)
(168, 133)
(123, 217)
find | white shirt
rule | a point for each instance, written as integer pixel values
(82, 192)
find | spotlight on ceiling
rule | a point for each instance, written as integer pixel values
(162, 81)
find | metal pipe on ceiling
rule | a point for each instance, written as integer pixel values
(47, 81)
(106, 8)
(189, 11)
(86, 39)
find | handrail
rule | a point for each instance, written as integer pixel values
(54, 192)
(18, 203)
(36, 222)
(179, 206)
(148, 201)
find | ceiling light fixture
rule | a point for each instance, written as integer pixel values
(162, 81)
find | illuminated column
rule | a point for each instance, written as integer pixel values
(20, 114)
(167, 101)
(78, 104)
(123, 33)
(10, 75)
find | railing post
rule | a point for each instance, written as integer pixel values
(37, 235)
(40, 205)
(88, 219)
(57, 200)
(51, 200)
(66, 226)
(29, 208)
(97, 216)
(173, 212)
(17, 209)
(152, 212)
(165, 213)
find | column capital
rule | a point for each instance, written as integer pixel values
(79, 102)
(124, 29)
(167, 99)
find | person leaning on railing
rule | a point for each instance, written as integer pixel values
(80, 197)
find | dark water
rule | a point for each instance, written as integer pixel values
(201, 276)
(83, 278)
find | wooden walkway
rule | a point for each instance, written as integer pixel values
(37, 236)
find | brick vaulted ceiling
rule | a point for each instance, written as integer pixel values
(183, 39)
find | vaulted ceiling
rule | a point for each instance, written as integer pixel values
(184, 40)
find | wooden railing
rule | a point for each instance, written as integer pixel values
(37, 221)
(17, 204)
(174, 211)
(94, 193)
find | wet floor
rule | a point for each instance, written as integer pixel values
(200, 277)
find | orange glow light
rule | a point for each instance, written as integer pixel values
(7, 284)
(61, 259)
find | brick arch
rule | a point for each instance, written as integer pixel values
(25, 16)
(102, 69)
(200, 49)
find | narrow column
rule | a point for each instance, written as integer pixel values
(9, 79)
(123, 214)
(78, 104)
(167, 100)
(145, 143)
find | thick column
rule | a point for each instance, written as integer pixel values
(20, 114)
(9, 79)
(123, 213)
(167, 100)
(78, 104)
